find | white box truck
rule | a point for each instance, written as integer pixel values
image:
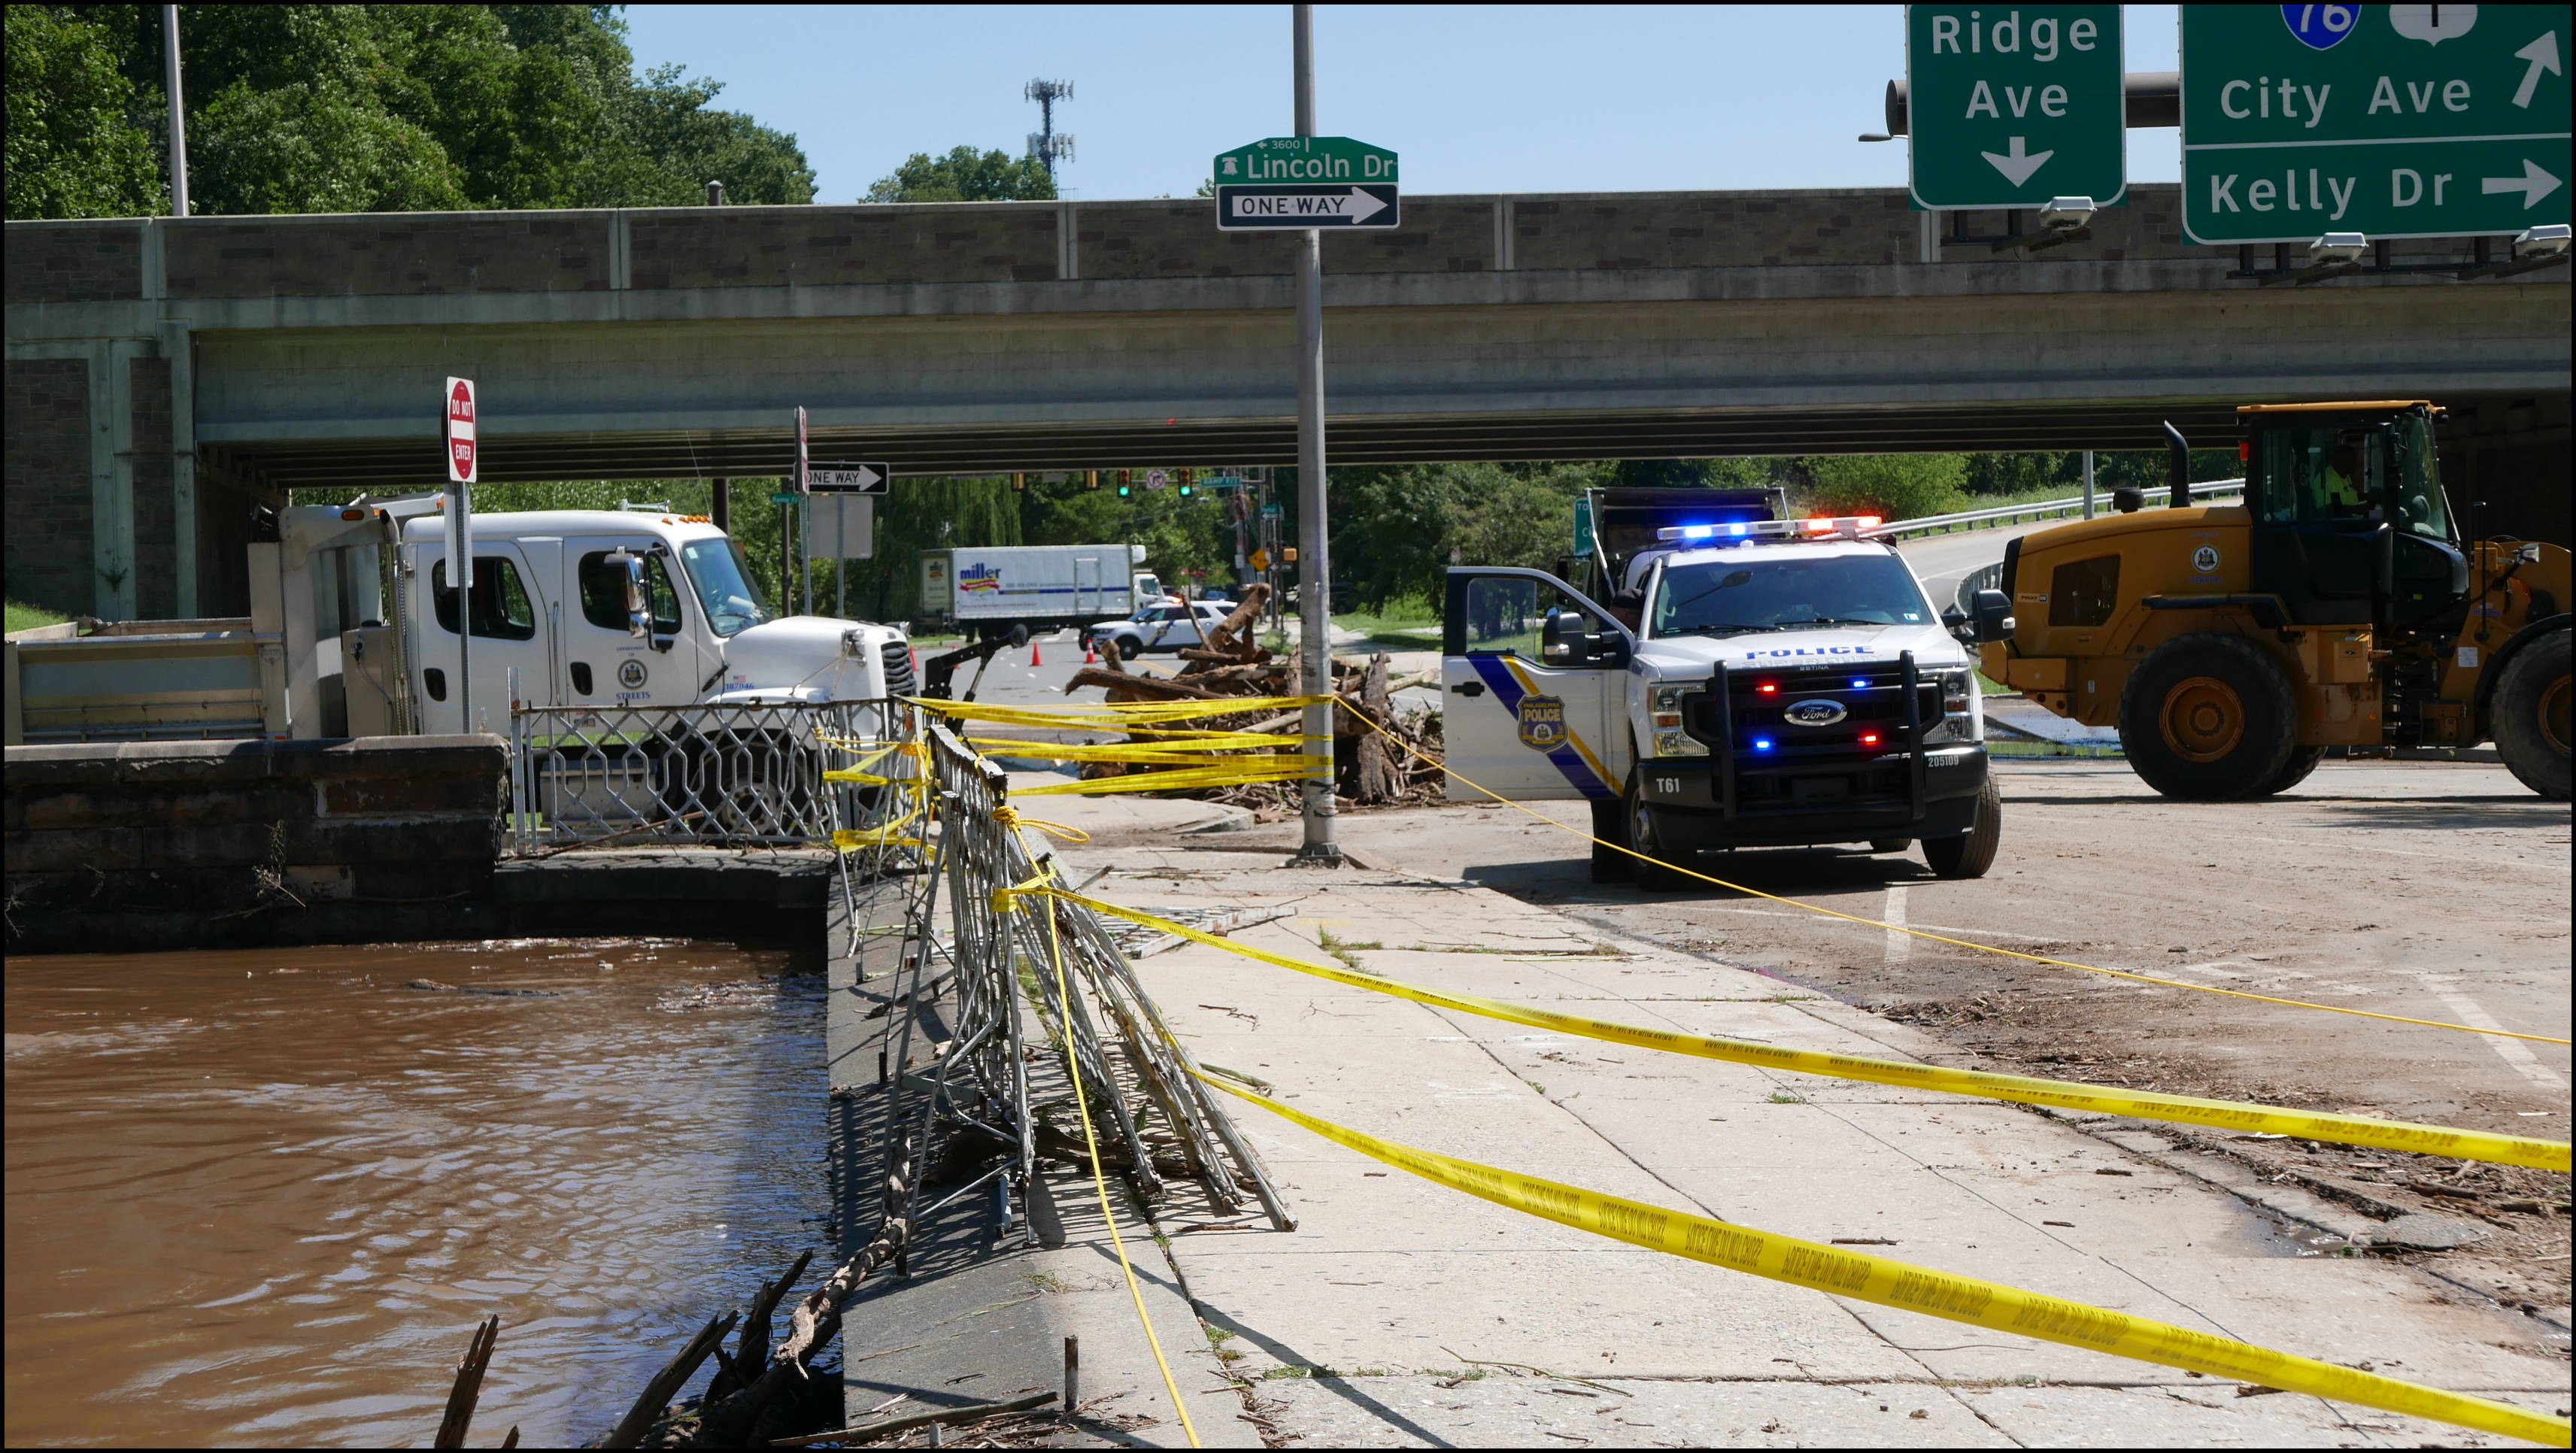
(987, 590)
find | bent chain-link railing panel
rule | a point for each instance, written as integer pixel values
(1003, 947)
(734, 775)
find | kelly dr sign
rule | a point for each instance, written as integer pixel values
(2388, 120)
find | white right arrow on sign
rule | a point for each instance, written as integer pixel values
(1364, 205)
(2534, 184)
(2016, 167)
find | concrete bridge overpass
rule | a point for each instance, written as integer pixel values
(157, 370)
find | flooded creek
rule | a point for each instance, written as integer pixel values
(263, 1197)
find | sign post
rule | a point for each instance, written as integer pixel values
(1315, 577)
(843, 502)
(2014, 107)
(2387, 120)
(464, 461)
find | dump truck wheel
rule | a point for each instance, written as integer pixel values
(1970, 855)
(2303, 760)
(1610, 825)
(1651, 872)
(2529, 716)
(2209, 718)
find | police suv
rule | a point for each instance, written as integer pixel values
(1751, 681)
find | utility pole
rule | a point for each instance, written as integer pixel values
(1314, 570)
(2088, 484)
(178, 116)
(1044, 144)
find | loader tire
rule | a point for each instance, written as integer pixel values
(2529, 716)
(2209, 717)
(2303, 760)
(1972, 853)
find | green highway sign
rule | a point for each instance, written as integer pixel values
(2387, 120)
(1282, 159)
(1306, 181)
(2013, 106)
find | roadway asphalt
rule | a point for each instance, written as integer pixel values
(1942, 560)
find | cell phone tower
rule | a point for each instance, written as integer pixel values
(1044, 144)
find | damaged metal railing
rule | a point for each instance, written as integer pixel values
(717, 775)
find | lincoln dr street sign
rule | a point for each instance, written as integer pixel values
(2387, 120)
(2012, 105)
(1306, 181)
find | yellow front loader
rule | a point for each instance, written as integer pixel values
(2232, 645)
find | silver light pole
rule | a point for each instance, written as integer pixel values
(2088, 484)
(178, 119)
(1314, 568)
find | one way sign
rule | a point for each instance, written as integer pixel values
(1329, 204)
(849, 478)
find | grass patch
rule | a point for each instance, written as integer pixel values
(1344, 949)
(23, 617)
(1783, 1097)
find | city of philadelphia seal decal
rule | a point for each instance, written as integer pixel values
(1542, 723)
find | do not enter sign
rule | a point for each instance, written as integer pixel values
(460, 431)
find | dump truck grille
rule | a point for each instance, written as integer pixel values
(897, 656)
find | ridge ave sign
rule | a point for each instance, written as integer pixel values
(459, 431)
(1306, 181)
(2012, 105)
(2387, 120)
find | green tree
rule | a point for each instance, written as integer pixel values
(334, 108)
(75, 145)
(965, 175)
(1890, 486)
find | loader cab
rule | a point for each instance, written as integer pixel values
(2350, 525)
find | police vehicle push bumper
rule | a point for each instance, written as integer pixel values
(1812, 754)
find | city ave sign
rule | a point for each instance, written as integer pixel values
(2010, 106)
(1306, 181)
(2388, 120)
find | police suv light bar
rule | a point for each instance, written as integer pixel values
(1844, 527)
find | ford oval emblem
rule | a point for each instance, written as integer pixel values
(1816, 713)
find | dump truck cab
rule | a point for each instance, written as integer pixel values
(2339, 605)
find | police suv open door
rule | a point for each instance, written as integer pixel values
(1534, 682)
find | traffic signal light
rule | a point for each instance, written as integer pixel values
(1188, 487)
(1126, 483)
(1091, 479)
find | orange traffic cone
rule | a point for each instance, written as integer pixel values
(916, 663)
(1033, 653)
(1090, 653)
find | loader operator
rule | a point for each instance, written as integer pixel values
(2343, 498)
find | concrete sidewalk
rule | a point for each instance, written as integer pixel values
(1404, 1314)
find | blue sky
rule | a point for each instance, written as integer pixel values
(1474, 98)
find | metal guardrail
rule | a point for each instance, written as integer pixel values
(741, 776)
(2037, 509)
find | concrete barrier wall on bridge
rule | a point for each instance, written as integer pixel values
(1085, 334)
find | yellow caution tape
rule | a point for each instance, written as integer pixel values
(1181, 752)
(1114, 715)
(1009, 817)
(1907, 1287)
(2067, 1094)
(1935, 937)
(1099, 1175)
(1232, 770)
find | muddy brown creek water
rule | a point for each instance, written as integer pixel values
(263, 1197)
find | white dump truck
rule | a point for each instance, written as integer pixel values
(1741, 681)
(986, 591)
(354, 631)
